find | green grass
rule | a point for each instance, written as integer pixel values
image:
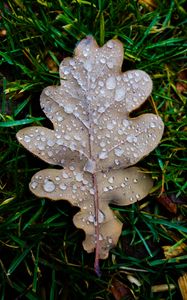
(41, 255)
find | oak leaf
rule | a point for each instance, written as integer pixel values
(94, 140)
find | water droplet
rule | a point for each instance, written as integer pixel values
(59, 119)
(100, 237)
(103, 60)
(49, 186)
(88, 65)
(41, 146)
(50, 143)
(100, 83)
(111, 179)
(110, 126)
(90, 166)
(118, 152)
(137, 196)
(101, 217)
(62, 186)
(125, 123)
(103, 155)
(27, 139)
(110, 65)
(91, 218)
(152, 125)
(92, 191)
(66, 70)
(34, 185)
(105, 189)
(102, 144)
(110, 44)
(65, 175)
(101, 109)
(79, 177)
(131, 138)
(117, 162)
(111, 83)
(119, 94)
(69, 108)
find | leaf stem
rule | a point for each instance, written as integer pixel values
(96, 207)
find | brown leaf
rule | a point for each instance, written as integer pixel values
(94, 139)
(120, 290)
(182, 81)
(171, 251)
(182, 281)
(168, 203)
(149, 3)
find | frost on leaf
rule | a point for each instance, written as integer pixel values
(94, 140)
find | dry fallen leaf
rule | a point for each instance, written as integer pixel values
(120, 290)
(182, 282)
(94, 140)
(171, 251)
(168, 203)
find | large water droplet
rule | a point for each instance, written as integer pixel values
(34, 185)
(103, 155)
(111, 179)
(49, 186)
(101, 216)
(79, 177)
(27, 139)
(88, 65)
(111, 83)
(131, 138)
(62, 186)
(120, 94)
(69, 108)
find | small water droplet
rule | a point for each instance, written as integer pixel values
(125, 123)
(110, 126)
(110, 65)
(92, 191)
(118, 152)
(50, 143)
(103, 60)
(152, 125)
(102, 144)
(65, 175)
(34, 185)
(100, 237)
(110, 44)
(101, 109)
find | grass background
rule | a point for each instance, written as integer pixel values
(41, 255)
